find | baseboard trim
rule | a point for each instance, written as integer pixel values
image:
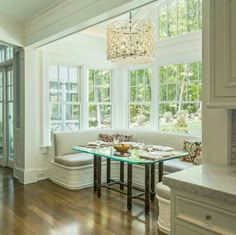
(25, 176)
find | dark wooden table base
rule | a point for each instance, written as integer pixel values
(146, 194)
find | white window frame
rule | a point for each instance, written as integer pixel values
(64, 102)
(131, 69)
(98, 103)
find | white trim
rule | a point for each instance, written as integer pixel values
(25, 176)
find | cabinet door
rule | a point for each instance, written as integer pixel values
(222, 48)
(180, 230)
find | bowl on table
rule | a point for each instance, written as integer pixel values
(122, 148)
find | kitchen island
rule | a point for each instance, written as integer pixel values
(203, 200)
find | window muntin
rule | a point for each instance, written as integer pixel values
(64, 98)
(140, 97)
(178, 17)
(180, 102)
(99, 97)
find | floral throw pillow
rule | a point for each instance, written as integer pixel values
(195, 151)
(107, 137)
(110, 137)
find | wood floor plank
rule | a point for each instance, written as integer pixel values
(48, 209)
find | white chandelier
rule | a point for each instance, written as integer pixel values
(130, 42)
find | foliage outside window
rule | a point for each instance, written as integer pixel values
(140, 95)
(180, 98)
(178, 17)
(64, 98)
(100, 107)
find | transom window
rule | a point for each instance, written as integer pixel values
(140, 96)
(64, 98)
(99, 97)
(178, 17)
(180, 97)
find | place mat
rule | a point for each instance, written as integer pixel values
(162, 148)
(154, 155)
(119, 154)
(91, 145)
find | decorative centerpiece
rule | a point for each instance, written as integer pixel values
(122, 148)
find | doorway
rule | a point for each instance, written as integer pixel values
(6, 108)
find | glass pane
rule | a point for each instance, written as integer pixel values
(171, 91)
(163, 92)
(53, 91)
(72, 97)
(182, 16)
(193, 73)
(193, 91)
(53, 73)
(99, 116)
(73, 75)
(172, 19)
(163, 74)
(140, 90)
(91, 85)
(193, 15)
(172, 73)
(148, 90)
(163, 23)
(200, 90)
(72, 112)
(200, 14)
(63, 74)
(99, 86)
(140, 115)
(167, 116)
(10, 131)
(56, 112)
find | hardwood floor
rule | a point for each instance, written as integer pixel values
(47, 209)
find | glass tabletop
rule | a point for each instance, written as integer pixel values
(133, 156)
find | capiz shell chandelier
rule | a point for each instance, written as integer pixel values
(130, 42)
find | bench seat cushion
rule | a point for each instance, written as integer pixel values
(75, 160)
(163, 191)
(176, 165)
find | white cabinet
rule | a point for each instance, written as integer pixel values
(180, 230)
(199, 215)
(219, 53)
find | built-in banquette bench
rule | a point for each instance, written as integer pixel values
(74, 170)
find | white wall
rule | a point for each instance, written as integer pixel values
(79, 49)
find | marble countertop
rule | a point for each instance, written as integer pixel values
(218, 182)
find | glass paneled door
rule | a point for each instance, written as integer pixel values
(6, 116)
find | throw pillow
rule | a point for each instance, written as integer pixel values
(195, 151)
(110, 137)
(125, 138)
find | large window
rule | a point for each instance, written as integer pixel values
(99, 98)
(180, 94)
(64, 98)
(140, 97)
(178, 17)
(6, 53)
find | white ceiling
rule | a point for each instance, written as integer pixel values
(21, 10)
(145, 12)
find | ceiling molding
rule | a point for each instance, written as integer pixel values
(76, 15)
(55, 12)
